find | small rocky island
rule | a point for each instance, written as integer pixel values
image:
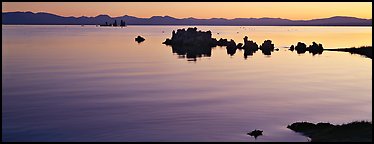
(302, 48)
(194, 43)
(255, 133)
(139, 39)
(358, 131)
(191, 37)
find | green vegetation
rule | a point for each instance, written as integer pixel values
(358, 131)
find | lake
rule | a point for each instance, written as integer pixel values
(74, 83)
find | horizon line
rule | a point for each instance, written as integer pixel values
(182, 18)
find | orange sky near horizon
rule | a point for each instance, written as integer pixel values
(289, 10)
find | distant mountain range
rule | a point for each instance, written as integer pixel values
(30, 18)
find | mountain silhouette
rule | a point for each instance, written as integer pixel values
(41, 18)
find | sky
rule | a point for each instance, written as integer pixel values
(288, 10)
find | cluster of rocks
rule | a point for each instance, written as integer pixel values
(302, 48)
(250, 47)
(191, 38)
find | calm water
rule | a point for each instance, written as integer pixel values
(73, 83)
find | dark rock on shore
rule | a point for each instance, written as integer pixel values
(139, 39)
(326, 132)
(366, 51)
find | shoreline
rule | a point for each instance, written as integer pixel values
(356, 131)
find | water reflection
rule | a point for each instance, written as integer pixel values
(192, 52)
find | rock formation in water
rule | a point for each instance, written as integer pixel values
(231, 47)
(239, 46)
(255, 133)
(366, 51)
(194, 39)
(302, 48)
(139, 39)
(292, 48)
(222, 42)
(315, 48)
(267, 47)
(192, 44)
(249, 47)
(191, 37)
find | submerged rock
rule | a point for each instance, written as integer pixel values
(139, 39)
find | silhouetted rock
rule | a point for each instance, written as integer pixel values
(231, 47)
(300, 48)
(255, 133)
(292, 48)
(239, 46)
(139, 39)
(366, 51)
(222, 42)
(326, 132)
(267, 47)
(191, 37)
(315, 48)
(249, 47)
